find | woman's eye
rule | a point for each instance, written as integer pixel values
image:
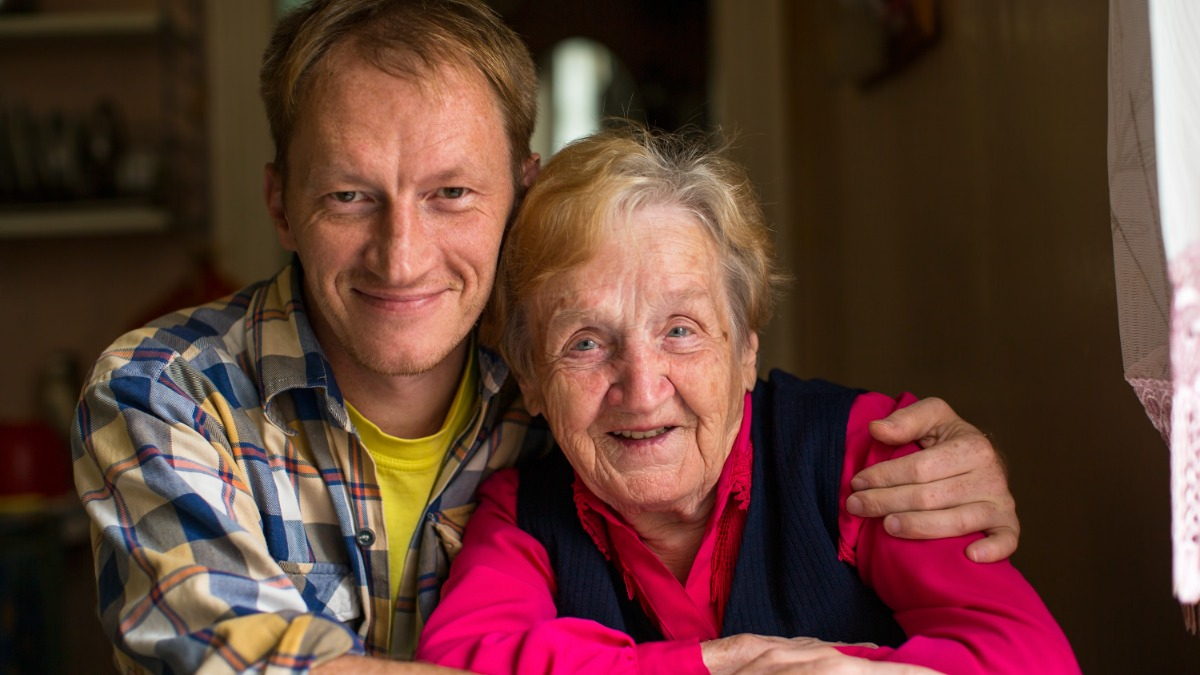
(584, 345)
(345, 197)
(679, 331)
(451, 192)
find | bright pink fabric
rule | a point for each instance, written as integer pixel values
(497, 613)
(961, 617)
(696, 609)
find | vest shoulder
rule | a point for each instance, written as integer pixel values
(781, 384)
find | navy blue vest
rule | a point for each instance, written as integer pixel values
(788, 580)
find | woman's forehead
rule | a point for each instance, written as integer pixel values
(656, 258)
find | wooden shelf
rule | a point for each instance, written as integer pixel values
(77, 221)
(79, 24)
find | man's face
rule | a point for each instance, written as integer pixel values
(397, 193)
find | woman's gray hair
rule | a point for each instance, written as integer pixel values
(564, 216)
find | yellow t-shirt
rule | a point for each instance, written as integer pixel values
(407, 469)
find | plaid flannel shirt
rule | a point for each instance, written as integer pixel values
(236, 520)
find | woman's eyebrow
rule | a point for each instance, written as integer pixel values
(560, 318)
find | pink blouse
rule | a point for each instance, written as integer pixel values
(498, 614)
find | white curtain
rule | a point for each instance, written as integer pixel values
(1154, 192)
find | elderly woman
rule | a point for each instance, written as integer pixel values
(694, 510)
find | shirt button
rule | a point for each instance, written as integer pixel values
(365, 537)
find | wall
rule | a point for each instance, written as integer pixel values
(948, 233)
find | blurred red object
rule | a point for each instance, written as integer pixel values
(34, 460)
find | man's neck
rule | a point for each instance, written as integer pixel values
(404, 406)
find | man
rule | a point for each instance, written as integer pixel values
(278, 480)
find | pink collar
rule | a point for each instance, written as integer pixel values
(694, 609)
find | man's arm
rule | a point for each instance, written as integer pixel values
(955, 486)
(185, 576)
(959, 616)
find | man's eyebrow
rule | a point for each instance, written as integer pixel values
(467, 168)
(327, 171)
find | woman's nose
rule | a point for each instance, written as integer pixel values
(642, 382)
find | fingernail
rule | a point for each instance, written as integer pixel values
(892, 525)
(887, 422)
(857, 484)
(854, 505)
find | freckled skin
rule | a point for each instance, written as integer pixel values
(639, 339)
(396, 199)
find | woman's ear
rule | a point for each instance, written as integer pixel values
(532, 394)
(750, 362)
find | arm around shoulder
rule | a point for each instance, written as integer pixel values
(960, 616)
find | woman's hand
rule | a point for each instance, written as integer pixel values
(762, 654)
(955, 486)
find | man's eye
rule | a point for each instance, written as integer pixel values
(679, 331)
(345, 197)
(451, 192)
(585, 345)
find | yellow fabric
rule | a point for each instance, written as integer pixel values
(407, 468)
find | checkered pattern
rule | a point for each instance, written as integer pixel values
(236, 519)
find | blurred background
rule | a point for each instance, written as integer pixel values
(935, 172)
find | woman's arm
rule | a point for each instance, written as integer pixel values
(961, 617)
(498, 613)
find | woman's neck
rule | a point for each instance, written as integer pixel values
(675, 540)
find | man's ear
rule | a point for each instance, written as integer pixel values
(273, 195)
(750, 362)
(529, 173)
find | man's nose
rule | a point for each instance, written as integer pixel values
(400, 252)
(642, 381)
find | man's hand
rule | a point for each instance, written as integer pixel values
(760, 654)
(955, 486)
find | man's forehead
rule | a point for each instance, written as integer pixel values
(436, 74)
(452, 92)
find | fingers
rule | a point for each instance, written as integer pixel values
(923, 422)
(831, 664)
(986, 487)
(998, 522)
(952, 456)
(999, 544)
(748, 653)
(951, 522)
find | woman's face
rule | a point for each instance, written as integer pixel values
(637, 370)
